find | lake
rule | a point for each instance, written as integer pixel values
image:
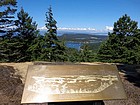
(75, 45)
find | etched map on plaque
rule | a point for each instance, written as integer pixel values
(60, 83)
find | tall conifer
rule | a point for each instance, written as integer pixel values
(53, 49)
(26, 32)
(121, 45)
(8, 48)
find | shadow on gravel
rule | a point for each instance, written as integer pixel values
(11, 86)
(132, 73)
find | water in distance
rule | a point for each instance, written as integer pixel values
(75, 45)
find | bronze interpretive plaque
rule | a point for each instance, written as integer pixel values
(61, 83)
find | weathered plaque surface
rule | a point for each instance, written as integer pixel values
(60, 83)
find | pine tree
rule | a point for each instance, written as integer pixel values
(85, 54)
(133, 46)
(26, 32)
(6, 17)
(72, 55)
(121, 44)
(110, 50)
(53, 49)
(7, 31)
(36, 49)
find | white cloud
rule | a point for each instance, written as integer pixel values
(109, 28)
(77, 29)
(8, 27)
(42, 28)
(70, 29)
(81, 30)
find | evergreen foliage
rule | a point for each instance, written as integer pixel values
(6, 16)
(85, 54)
(53, 49)
(20, 40)
(26, 32)
(72, 55)
(36, 49)
(123, 44)
(8, 44)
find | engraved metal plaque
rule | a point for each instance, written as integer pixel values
(60, 83)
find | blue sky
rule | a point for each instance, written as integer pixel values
(98, 15)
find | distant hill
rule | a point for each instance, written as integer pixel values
(83, 38)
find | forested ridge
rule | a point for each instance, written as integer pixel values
(82, 38)
(20, 40)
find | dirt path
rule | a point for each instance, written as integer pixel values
(20, 68)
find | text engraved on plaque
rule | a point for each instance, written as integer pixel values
(72, 84)
(60, 83)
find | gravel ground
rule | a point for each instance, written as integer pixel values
(12, 78)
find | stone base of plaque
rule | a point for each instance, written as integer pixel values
(73, 103)
(79, 103)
